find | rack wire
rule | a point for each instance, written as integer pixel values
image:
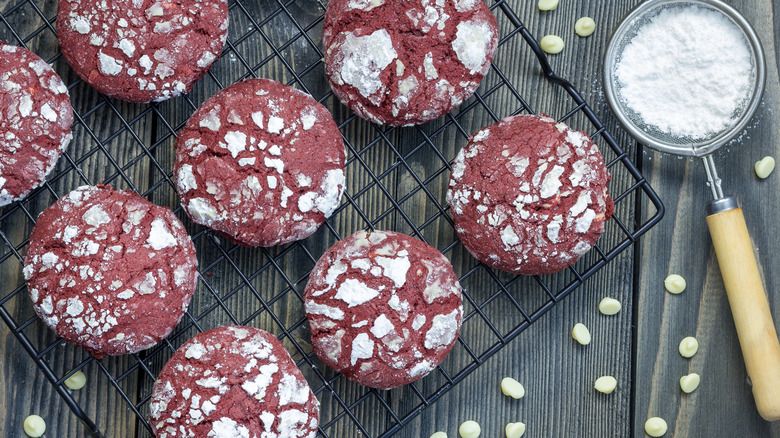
(396, 179)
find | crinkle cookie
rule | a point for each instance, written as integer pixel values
(142, 50)
(233, 382)
(407, 62)
(529, 195)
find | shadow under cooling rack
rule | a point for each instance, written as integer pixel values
(396, 179)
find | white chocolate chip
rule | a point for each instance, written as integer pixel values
(581, 334)
(34, 426)
(547, 5)
(605, 384)
(469, 429)
(675, 284)
(689, 383)
(76, 381)
(655, 426)
(552, 44)
(512, 388)
(439, 435)
(688, 346)
(515, 430)
(585, 26)
(609, 306)
(764, 167)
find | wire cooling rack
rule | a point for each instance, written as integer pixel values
(396, 179)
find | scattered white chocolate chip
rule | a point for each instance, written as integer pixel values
(675, 284)
(547, 5)
(655, 426)
(34, 426)
(580, 333)
(512, 388)
(688, 346)
(609, 306)
(439, 435)
(764, 167)
(605, 384)
(469, 429)
(689, 383)
(552, 44)
(76, 381)
(585, 26)
(515, 430)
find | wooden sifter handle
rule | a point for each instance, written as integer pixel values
(750, 308)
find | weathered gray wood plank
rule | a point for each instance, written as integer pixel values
(723, 405)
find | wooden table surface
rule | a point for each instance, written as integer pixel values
(638, 346)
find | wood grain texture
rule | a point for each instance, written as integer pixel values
(723, 405)
(638, 345)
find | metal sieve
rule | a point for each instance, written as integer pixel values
(747, 298)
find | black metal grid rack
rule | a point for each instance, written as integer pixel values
(396, 179)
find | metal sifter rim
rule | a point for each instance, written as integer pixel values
(695, 148)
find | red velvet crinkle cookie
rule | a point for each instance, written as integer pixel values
(35, 121)
(529, 195)
(384, 309)
(261, 163)
(110, 271)
(407, 62)
(142, 50)
(233, 382)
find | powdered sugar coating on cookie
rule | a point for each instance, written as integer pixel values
(142, 50)
(260, 162)
(233, 382)
(110, 271)
(384, 309)
(405, 63)
(35, 121)
(529, 195)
